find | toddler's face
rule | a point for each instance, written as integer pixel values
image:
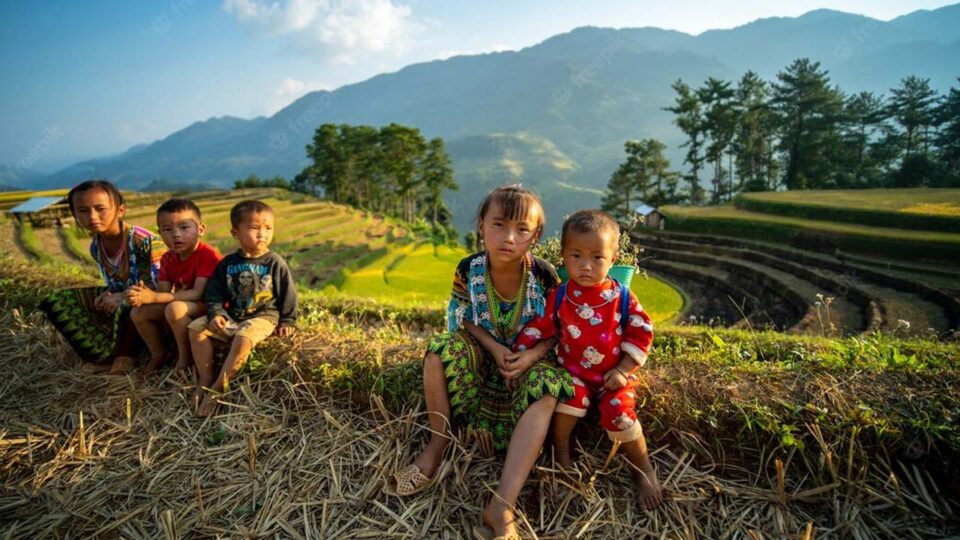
(96, 211)
(506, 239)
(588, 256)
(254, 233)
(181, 231)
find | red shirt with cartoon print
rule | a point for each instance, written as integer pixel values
(590, 333)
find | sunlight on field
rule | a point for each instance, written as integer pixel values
(419, 276)
(661, 300)
(912, 200)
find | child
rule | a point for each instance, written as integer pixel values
(471, 373)
(184, 271)
(250, 295)
(600, 348)
(95, 320)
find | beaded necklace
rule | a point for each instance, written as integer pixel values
(510, 327)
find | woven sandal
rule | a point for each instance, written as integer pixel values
(410, 481)
(482, 532)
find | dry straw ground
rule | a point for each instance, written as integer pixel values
(84, 455)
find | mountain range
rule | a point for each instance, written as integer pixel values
(554, 115)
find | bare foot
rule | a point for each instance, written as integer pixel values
(208, 405)
(649, 489)
(499, 517)
(121, 365)
(197, 397)
(429, 460)
(183, 363)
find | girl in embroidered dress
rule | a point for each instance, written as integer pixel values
(95, 320)
(470, 376)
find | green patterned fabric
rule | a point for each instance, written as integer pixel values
(94, 335)
(479, 397)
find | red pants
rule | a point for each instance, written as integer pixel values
(617, 414)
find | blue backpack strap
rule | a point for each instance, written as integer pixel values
(561, 292)
(624, 304)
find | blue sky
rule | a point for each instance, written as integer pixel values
(92, 78)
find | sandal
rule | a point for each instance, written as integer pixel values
(482, 532)
(410, 481)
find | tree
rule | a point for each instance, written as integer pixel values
(807, 110)
(912, 105)
(753, 139)
(719, 123)
(689, 118)
(643, 176)
(948, 139)
(862, 130)
(436, 173)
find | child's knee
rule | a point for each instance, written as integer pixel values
(176, 311)
(138, 314)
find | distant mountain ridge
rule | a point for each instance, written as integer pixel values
(582, 93)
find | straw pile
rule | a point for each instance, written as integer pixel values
(85, 455)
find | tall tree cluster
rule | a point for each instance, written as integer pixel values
(642, 177)
(802, 132)
(392, 170)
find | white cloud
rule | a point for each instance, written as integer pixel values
(289, 91)
(339, 31)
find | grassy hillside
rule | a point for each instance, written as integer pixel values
(928, 209)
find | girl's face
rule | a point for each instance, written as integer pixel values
(508, 240)
(96, 211)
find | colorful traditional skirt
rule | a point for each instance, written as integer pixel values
(479, 397)
(96, 336)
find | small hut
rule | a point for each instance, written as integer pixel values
(43, 211)
(652, 218)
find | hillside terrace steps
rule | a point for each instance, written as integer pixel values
(856, 276)
(773, 285)
(719, 299)
(873, 308)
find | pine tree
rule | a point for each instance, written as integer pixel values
(689, 118)
(719, 124)
(753, 142)
(948, 139)
(807, 110)
(436, 172)
(912, 105)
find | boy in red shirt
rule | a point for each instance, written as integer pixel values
(184, 271)
(604, 338)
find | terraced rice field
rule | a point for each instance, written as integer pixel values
(862, 297)
(338, 250)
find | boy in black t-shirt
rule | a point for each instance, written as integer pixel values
(250, 295)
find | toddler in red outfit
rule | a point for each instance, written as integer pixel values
(604, 338)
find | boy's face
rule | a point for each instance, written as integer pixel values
(96, 211)
(508, 239)
(254, 233)
(588, 256)
(181, 231)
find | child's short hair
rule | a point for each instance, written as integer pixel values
(179, 205)
(242, 208)
(583, 221)
(90, 185)
(515, 201)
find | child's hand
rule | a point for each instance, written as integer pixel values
(499, 352)
(111, 302)
(139, 295)
(284, 331)
(218, 323)
(614, 379)
(519, 362)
